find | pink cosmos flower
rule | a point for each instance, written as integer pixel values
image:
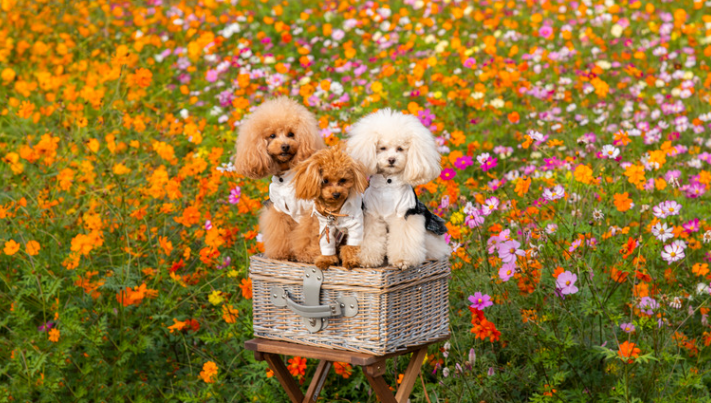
(672, 253)
(480, 301)
(470, 63)
(647, 305)
(507, 271)
(208, 225)
(490, 205)
(545, 31)
(211, 76)
(566, 283)
(692, 226)
(671, 208)
(627, 327)
(474, 220)
(509, 250)
(235, 195)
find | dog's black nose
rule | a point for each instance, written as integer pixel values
(336, 195)
(285, 147)
(392, 161)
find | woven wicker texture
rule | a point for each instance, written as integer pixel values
(396, 309)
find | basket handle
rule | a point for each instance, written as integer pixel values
(311, 310)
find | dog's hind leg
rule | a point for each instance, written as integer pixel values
(305, 240)
(375, 234)
(406, 241)
(276, 227)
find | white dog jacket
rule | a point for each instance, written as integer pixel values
(389, 196)
(283, 197)
(348, 221)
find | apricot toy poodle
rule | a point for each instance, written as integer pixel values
(272, 140)
(335, 183)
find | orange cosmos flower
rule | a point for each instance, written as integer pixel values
(623, 202)
(54, 335)
(209, 370)
(628, 350)
(246, 288)
(11, 247)
(297, 366)
(343, 369)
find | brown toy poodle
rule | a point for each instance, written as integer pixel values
(272, 140)
(335, 182)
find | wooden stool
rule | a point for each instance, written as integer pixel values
(373, 368)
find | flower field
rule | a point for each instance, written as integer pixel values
(577, 167)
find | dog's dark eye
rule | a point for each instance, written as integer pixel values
(399, 149)
(290, 135)
(383, 148)
(272, 136)
(325, 181)
(342, 181)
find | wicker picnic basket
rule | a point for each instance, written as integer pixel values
(376, 311)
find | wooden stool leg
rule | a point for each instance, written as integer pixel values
(317, 381)
(381, 389)
(284, 377)
(413, 369)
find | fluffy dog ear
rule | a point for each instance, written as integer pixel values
(423, 159)
(307, 179)
(359, 177)
(251, 158)
(362, 144)
(307, 134)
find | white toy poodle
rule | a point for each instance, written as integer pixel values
(399, 152)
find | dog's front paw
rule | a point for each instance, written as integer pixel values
(404, 264)
(324, 262)
(349, 256)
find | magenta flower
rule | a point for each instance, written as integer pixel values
(463, 162)
(49, 325)
(447, 174)
(627, 327)
(208, 225)
(235, 195)
(480, 301)
(470, 63)
(692, 226)
(426, 117)
(507, 271)
(566, 283)
(489, 164)
(545, 31)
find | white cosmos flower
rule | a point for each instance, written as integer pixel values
(610, 151)
(662, 231)
(672, 253)
(558, 192)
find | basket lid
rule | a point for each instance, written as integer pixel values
(380, 277)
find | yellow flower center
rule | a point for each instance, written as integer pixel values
(567, 282)
(673, 254)
(480, 301)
